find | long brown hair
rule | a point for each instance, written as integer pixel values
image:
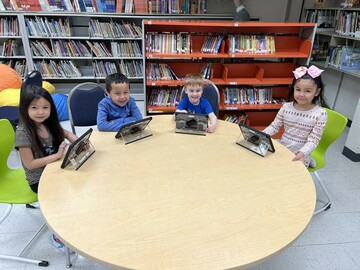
(52, 123)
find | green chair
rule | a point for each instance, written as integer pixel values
(14, 188)
(335, 125)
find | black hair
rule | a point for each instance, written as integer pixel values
(115, 78)
(319, 99)
(27, 95)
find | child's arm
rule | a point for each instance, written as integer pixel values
(70, 136)
(211, 128)
(31, 163)
(278, 122)
(314, 137)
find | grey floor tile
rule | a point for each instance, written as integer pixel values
(353, 249)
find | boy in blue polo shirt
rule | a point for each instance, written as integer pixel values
(118, 108)
(194, 103)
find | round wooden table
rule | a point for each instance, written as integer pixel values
(175, 201)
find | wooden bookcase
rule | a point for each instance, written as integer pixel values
(229, 68)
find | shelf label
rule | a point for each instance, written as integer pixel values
(149, 22)
(153, 83)
(236, 24)
(231, 108)
(233, 83)
(150, 56)
(232, 55)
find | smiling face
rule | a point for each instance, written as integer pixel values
(194, 93)
(305, 90)
(119, 93)
(39, 110)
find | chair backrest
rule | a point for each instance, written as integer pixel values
(82, 104)
(7, 139)
(14, 188)
(211, 93)
(334, 127)
(32, 78)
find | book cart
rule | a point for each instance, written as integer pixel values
(251, 65)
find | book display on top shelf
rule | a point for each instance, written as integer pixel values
(251, 63)
(109, 6)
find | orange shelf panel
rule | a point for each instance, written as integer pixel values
(160, 109)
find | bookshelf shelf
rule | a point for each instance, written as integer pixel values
(340, 42)
(254, 82)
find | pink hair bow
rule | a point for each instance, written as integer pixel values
(313, 71)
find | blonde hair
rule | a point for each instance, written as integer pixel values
(193, 79)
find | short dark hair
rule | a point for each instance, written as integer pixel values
(115, 78)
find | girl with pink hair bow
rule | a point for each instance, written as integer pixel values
(303, 118)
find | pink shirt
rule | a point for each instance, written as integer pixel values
(302, 129)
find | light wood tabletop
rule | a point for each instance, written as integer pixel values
(176, 201)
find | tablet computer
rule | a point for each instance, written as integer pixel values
(79, 151)
(189, 123)
(135, 131)
(255, 140)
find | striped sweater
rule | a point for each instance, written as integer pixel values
(302, 129)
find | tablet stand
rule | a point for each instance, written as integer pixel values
(132, 135)
(257, 145)
(78, 157)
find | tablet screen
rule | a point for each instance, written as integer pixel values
(133, 127)
(79, 151)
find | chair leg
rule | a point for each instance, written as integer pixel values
(22, 259)
(19, 258)
(327, 204)
(67, 254)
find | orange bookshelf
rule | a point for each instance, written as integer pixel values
(230, 69)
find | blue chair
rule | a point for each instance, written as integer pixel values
(10, 113)
(335, 125)
(32, 78)
(83, 104)
(211, 93)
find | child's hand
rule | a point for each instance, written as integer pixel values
(211, 128)
(61, 149)
(299, 156)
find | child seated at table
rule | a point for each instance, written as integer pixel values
(194, 103)
(117, 108)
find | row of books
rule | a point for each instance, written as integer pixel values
(350, 3)
(109, 6)
(252, 44)
(48, 27)
(240, 117)
(159, 72)
(18, 65)
(345, 58)
(59, 48)
(211, 44)
(168, 43)
(247, 95)
(323, 18)
(131, 69)
(9, 27)
(349, 24)
(58, 69)
(127, 49)
(176, 6)
(114, 29)
(164, 96)
(205, 71)
(10, 48)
